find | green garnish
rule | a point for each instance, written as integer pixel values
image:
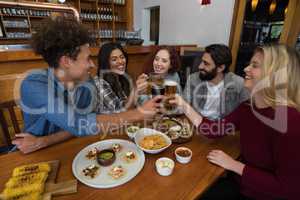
(106, 155)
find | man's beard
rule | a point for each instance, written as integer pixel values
(207, 76)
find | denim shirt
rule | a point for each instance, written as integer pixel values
(48, 107)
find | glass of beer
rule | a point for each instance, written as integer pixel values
(170, 91)
(156, 84)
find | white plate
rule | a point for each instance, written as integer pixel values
(103, 180)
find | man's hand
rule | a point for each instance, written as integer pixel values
(178, 101)
(28, 143)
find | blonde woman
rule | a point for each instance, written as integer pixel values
(269, 130)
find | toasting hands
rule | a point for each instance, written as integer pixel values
(152, 106)
(142, 84)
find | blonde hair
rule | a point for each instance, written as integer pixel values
(281, 71)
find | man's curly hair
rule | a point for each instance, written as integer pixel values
(60, 37)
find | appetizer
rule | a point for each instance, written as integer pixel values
(166, 124)
(186, 132)
(131, 131)
(27, 182)
(106, 157)
(130, 156)
(116, 147)
(116, 172)
(91, 155)
(173, 135)
(183, 155)
(153, 142)
(165, 164)
(91, 171)
(183, 152)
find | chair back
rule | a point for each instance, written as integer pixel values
(9, 120)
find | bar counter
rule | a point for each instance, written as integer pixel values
(14, 63)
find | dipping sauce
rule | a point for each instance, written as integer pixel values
(183, 155)
(106, 155)
(183, 152)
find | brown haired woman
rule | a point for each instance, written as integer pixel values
(164, 61)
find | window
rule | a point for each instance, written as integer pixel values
(154, 24)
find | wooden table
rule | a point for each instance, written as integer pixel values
(188, 181)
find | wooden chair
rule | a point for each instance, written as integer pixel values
(190, 59)
(190, 50)
(9, 121)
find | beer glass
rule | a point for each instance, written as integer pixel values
(156, 84)
(170, 91)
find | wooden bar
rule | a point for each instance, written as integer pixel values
(14, 64)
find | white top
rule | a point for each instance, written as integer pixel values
(211, 108)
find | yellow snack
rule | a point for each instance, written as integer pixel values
(30, 196)
(32, 168)
(27, 179)
(153, 142)
(10, 193)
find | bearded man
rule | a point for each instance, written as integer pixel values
(213, 91)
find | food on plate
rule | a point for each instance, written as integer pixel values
(153, 142)
(177, 129)
(130, 156)
(166, 123)
(116, 172)
(91, 171)
(133, 129)
(106, 157)
(173, 135)
(27, 182)
(31, 168)
(91, 155)
(116, 147)
(186, 132)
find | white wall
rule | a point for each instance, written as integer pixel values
(186, 21)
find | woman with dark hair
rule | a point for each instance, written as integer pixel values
(112, 82)
(164, 61)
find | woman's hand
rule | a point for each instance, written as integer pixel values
(142, 84)
(222, 159)
(152, 106)
(28, 143)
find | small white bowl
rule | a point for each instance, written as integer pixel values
(143, 132)
(181, 158)
(131, 131)
(164, 166)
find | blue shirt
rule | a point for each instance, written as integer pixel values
(48, 107)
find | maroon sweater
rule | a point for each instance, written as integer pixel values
(271, 157)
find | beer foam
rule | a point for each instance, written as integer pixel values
(170, 83)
